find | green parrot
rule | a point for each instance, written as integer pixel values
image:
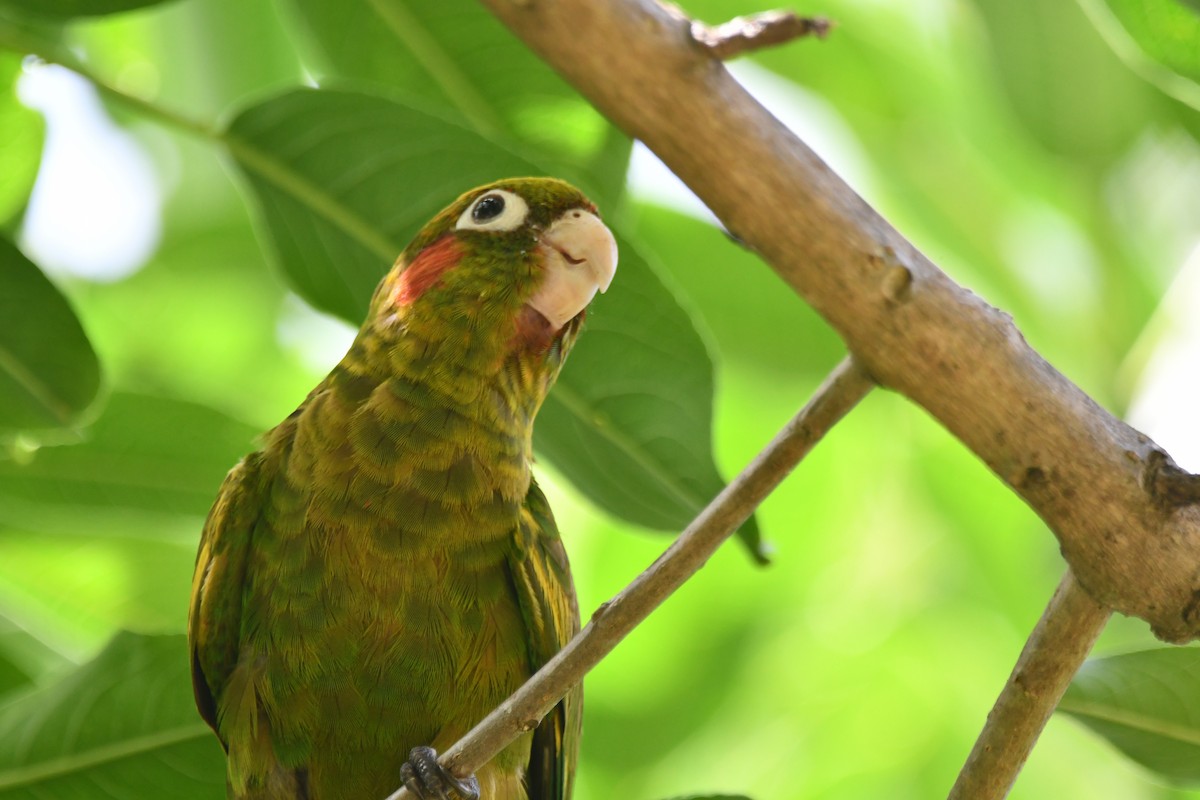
(385, 570)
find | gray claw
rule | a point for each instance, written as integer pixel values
(426, 779)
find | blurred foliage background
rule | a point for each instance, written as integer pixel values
(1018, 143)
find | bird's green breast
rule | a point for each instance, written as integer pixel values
(378, 593)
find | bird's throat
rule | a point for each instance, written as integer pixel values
(419, 446)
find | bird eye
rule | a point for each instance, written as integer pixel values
(498, 210)
(487, 208)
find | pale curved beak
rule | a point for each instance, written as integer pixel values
(581, 258)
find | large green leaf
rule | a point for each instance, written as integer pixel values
(48, 371)
(455, 55)
(344, 180)
(1167, 33)
(145, 453)
(13, 675)
(1147, 704)
(121, 726)
(746, 306)
(24, 658)
(21, 134)
(633, 440)
(76, 8)
(1041, 52)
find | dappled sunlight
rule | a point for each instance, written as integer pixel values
(1165, 400)
(95, 210)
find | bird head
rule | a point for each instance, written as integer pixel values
(511, 265)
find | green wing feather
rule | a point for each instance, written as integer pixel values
(214, 619)
(542, 579)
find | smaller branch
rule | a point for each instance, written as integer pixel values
(1171, 486)
(613, 621)
(743, 35)
(1055, 650)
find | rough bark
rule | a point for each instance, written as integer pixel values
(1091, 477)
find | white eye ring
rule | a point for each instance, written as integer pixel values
(497, 210)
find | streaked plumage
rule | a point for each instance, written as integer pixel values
(384, 570)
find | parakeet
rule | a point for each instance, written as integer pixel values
(385, 570)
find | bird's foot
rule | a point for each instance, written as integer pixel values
(426, 779)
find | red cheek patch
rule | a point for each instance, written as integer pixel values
(427, 269)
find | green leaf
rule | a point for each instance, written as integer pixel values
(12, 674)
(23, 658)
(455, 55)
(21, 134)
(75, 8)
(121, 726)
(635, 442)
(1159, 40)
(1147, 705)
(1041, 53)
(344, 180)
(745, 324)
(712, 797)
(146, 453)
(48, 371)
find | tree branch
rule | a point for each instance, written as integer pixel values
(746, 34)
(613, 620)
(913, 329)
(1058, 645)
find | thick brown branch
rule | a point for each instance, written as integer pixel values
(746, 34)
(913, 328)
(613, 621)
(1058, 645)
